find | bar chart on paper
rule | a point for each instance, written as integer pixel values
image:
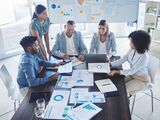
(89, 107)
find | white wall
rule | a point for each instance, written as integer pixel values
(7, 14)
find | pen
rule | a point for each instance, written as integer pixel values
(106, 84)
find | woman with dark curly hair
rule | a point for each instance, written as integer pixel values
(137, 77)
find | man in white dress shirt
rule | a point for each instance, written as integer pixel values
(69, 42)
(137, 77)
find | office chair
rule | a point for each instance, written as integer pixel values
(153, 65)
(13, 91)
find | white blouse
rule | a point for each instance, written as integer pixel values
(102, 48)
(138, 63)
(71, 50)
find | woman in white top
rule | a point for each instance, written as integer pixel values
(136, 77)
(104, 41)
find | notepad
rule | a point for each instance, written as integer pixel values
(105, 85)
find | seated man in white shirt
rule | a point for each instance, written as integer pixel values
(137, 77)
(69, 42)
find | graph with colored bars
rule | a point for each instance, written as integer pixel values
(89, 107)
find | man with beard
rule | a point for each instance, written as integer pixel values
(30, 66)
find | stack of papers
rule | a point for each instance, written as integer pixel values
(83, 112)
(82, 78)
(66, 68)
(105, 85)
(99, 67)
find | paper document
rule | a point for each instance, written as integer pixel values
(81, 95)
(96, 97)
(64, 82)
(85, 111)
(60, 96)
(54, 111)
(66, 68)
(78, 95)
(99, 67)
(82, 78)
(105, 85)
(57, 105)
(75, 61)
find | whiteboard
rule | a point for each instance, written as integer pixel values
(92, 11)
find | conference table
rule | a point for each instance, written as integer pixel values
(116, 106)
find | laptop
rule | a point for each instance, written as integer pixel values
(95, 58)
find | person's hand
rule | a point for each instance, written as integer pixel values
(65, 56)
(54, 76)
(114, 72)
(81, 57)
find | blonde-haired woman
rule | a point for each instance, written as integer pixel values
(103, 42)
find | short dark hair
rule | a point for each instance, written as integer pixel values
(141, 40)
(27, 41)
(70, 22)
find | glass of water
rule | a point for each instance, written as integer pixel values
(38, 112)
(39, 109)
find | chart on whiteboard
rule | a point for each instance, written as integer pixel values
(92, 10)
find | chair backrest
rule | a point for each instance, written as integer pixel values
(153, 65)
(7, 80)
